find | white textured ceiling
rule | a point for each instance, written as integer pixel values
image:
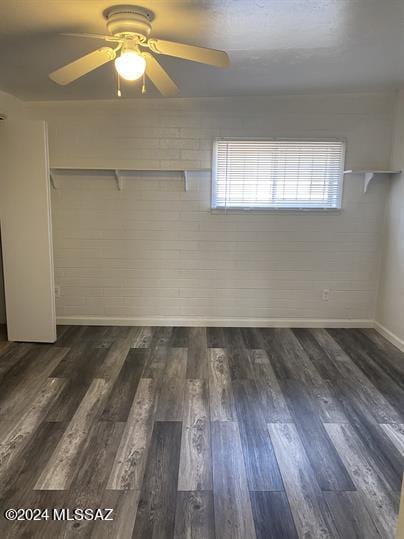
(274, 45)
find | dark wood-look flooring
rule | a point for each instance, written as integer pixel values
(202, 433)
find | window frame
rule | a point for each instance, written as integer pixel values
(234, 209)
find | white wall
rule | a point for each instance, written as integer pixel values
(390, 312)
(155, 254)
(13, 107)
(10, 105)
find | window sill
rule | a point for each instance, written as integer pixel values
(276, 210)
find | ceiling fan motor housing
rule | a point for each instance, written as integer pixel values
(131, 22)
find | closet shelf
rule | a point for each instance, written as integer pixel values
(122, 174)
(370, 174)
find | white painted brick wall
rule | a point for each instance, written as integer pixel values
(153, 251)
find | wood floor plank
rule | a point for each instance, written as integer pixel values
(220, 389)
(17, 397)
(11, 354)
(92, 473)
(68, 400)
(80, 367)
(195, 472)
(71, 335)
(96, 459)
(391, 355)
(318, 355)
(21, 476)
(121, 397)
(161, 337)
(171, 399)
(238, 356)
(395, 433)
(290, 361)
(325, 461)
(215, 337)
(197, 354)
(94, 333)
(252, 338)
(266, 336)
(121, 332)
(58, 473)
(23, 362)
(351, 517)
(233, 513)
(274, 405)
(157, 504)
(194, 518)
(382, 352)
(12, 443)
(61, 329)
(156, 363)
(180, 337)
(259, 458)
(4, 346)
(82, 356)
(389, 383)
(124, 504)
(385, 457)
(105, 336)
(356, 380)
(272, 516)
(360, 399)
(380, 502)
(310, 514)
(130, 460)
(116, 354)
(133, 333)
(46, 529)
(144, 338)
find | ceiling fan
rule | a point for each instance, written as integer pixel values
(130, 28)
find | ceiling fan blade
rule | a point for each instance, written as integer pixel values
(82, 66)
(159, 77)
(190, 52)
(93, 36)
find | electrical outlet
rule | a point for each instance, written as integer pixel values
(326, 294)
(57, 290)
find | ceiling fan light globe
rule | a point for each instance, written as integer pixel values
(130, 65)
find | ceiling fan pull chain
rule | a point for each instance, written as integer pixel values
(144, 84)
(118, 80)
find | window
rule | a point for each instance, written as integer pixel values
(280, 174)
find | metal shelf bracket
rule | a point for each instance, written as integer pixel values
(120, 182)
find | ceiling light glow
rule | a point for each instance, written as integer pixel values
(130, 65)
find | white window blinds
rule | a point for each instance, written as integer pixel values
(284, 174)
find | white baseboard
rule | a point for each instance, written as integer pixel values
(389, 335)
(218, 322)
